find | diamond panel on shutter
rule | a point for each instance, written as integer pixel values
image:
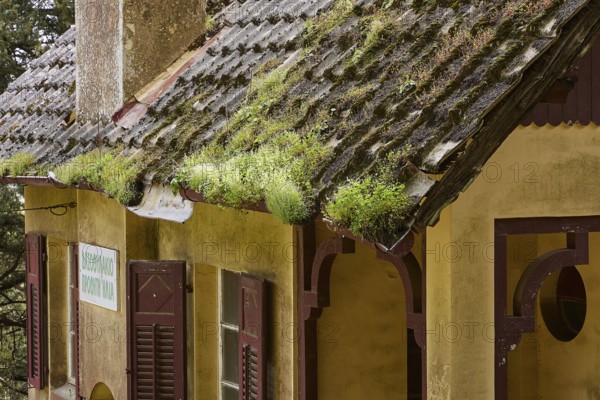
(157, 323)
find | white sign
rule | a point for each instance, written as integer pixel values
(98, 274)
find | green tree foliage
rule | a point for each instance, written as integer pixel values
(13, 338)
(27, 28)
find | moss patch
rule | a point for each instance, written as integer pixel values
(109, 170)
(278, 172)
(373, 206)
(21, 164)
(272, 148)
(315, 30)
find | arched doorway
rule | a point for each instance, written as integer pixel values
(101, 392)
(362, 341)
(393, 286)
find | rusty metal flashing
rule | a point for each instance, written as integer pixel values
(31, 181)
(510, 327)
(154, 205)
(400, 248)
(196, 197)
(132, 112)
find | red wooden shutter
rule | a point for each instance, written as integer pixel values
(252, 303)
(75, 289)
(156, 329)
(35, 249)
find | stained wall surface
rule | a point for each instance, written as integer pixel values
(547, 171)
(362, 343)
(214, 239)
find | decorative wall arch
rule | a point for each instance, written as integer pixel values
(536, 273)
(314, 294)
(510, 327)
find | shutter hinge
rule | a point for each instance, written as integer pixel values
(44, 257)
(127, 371)
(189, 288)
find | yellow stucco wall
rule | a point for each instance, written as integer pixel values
(439, 306)
(362, 335)
(537, 172)
(542, 367)
(103, 345)
(217, 238)
(55, 228)
(213, 239)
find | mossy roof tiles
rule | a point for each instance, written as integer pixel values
(433, 74)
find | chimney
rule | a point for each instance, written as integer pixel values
(124, 44)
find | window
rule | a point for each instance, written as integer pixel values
(242, 338)
(229, 335)
(563, 303)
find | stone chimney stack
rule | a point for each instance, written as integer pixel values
(124, 44)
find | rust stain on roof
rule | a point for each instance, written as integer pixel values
(132, 112)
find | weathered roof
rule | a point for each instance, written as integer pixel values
(34, 106)
(425, 77)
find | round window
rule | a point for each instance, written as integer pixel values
(563, 303)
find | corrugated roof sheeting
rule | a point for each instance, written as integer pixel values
(430, 84)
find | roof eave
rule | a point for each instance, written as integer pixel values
(575, 36)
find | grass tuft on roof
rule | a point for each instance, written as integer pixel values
(372, 206)
(20, 164)
(268, 152)
(111, 171)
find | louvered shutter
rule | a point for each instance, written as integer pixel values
(252, 303)
(156, 314)
(75, 290)
(35, 250)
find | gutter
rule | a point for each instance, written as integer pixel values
(400, 247)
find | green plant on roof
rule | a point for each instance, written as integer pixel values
(286, 201)
(209, 23)
(278, 172)
(258, 121)
(271, 149)
(375, 31)
(268, 111)
(20, 164)
(116, 174)
(373, 206)
(317, 28)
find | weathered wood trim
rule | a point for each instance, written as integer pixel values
(319, 294)
(510, 327)
(314, 273)
(413, 280)
(307, 345)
